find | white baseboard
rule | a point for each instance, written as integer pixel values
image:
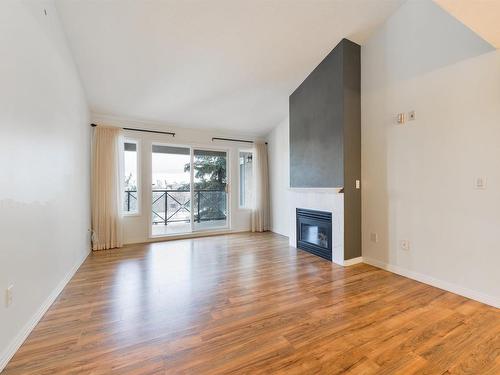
(350, 262)
(185, 236)
(16, 343)
(445, 285)
(278, 232)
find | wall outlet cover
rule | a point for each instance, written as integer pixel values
(374, 237)
(405, 245)
(480, 183)
(401, 118)
(9, 297)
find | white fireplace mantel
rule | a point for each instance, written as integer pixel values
(316, 190)
(321, 199)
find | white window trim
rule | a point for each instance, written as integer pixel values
(139, 174)
(248, 150)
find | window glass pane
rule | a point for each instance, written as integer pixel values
(171, 150)
(209, 195)
(246, 179)
(130, 198)
(171, 190)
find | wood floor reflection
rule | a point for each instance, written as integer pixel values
(248, 303)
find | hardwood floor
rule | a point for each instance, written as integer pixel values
(248, 303)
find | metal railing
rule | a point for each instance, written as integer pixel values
(169, 206)
(130, 204)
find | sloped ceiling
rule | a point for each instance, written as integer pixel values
(481, 16)
(218, 64)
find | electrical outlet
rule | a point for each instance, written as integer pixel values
(374, 237)
(412, 116)
(405, 245)
(9, 296)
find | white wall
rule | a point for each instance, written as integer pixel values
(44, 166)
(279, 172)
(418, 178)
(137, 228)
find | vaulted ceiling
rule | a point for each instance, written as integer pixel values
(482, 17)
(218, 64)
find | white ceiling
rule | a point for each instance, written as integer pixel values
(217, 64)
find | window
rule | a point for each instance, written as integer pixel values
(189, 190)
(131, 193)
(210, 189)
(246, 179)
(171, 190)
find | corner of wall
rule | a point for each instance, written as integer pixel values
(23, 334)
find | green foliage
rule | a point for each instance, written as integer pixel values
(209, 172)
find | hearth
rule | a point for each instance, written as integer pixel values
(314, 232)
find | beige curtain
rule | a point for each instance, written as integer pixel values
(260, 212)
(106, 188)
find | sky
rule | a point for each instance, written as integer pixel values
(170, 168)
(165, 167)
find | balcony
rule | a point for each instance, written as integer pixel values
(171, 209)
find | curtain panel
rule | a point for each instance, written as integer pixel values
(261, 211)
(107, 160)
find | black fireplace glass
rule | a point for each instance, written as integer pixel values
(314, 234)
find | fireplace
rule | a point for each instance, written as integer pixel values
(314, 232)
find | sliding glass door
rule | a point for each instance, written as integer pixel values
(210, 189)
(189, 190)
(171, 190)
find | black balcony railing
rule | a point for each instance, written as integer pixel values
(169, 206)
(130, 204)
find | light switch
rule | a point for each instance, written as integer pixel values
(358, 184)
(480, 183)
(401, 118)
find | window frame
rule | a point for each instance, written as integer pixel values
(137, 143)
(192, 147)
(250, 151)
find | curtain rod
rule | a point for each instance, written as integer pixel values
(232, 140)
(173, 135)
(143, 130)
